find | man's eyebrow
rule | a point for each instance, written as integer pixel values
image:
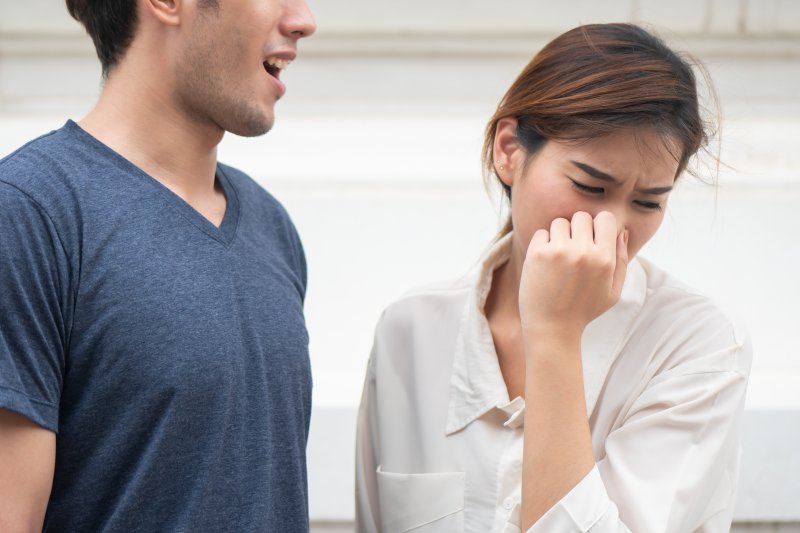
(603, 176)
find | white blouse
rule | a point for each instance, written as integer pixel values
(440, 442)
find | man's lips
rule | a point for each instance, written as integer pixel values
(276, 63)
(274, 76)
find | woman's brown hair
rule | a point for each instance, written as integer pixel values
(597, 79)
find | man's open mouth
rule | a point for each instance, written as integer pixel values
(274, 66)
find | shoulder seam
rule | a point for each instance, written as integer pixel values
(41, 209)
(11, 155)
(455, 286)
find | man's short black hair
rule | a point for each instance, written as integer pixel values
(111, 24)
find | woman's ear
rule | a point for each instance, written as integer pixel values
(504, 150)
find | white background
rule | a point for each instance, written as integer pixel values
(376, 154)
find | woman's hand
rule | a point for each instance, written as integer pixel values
(572, 274)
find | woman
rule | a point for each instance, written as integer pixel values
(568, 385)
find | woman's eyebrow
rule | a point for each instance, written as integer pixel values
(603, 176)
(593, 172)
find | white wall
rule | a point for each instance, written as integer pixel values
(376, 155)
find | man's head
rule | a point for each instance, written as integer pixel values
(217, 60)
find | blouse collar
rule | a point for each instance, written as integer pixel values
(476, 383)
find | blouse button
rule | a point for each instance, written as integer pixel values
(508, 503)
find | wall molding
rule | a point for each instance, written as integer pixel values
(421, 44)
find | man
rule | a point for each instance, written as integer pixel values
(154, 371)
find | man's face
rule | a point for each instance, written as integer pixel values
(229, 66)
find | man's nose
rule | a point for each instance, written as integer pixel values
(299, 22)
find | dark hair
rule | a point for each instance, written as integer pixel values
(595, 80)
(111, 25)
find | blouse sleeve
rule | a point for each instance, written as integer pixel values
(671, 466)
(367, 507)
(587, 507)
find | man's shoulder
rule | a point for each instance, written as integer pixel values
(43, 167)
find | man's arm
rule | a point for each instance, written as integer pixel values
(27, 460)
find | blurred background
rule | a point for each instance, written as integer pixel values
(376, 154)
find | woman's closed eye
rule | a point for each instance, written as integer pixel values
(588, 189)
(653, 206)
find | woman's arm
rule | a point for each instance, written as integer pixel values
(557, 450)
(571, 275)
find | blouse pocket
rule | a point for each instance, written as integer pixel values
(422, 503)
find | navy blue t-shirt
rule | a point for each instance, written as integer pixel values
(169, 355)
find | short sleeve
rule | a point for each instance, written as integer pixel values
(34, 287)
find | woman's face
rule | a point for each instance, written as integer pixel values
(629, 173)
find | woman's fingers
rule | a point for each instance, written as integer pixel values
(582, 227)
(542, 236)
(614, 246)
(560, 230)
(606, 232)
(621, 267)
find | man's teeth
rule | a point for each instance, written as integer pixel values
(278, 62)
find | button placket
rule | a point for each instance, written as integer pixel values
(509, 472)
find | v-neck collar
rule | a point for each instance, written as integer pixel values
(476, 382)
(226, 231)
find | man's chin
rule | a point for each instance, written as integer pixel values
(248, 123)
(251, 129)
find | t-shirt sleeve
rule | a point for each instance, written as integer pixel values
(34, 288)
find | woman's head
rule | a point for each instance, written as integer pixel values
(597, 81)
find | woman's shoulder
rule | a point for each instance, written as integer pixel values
(424, 320)
(691, 322)
(429, 301)
(681, 298)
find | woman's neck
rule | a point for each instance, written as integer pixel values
(502, 313)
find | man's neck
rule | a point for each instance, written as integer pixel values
(138, 118)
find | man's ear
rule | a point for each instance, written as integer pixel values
(505, 150)
(166, 12)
